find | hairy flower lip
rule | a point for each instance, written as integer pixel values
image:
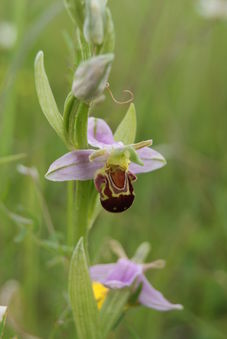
(126, 273)
(115, 188)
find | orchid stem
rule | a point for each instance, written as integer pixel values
(83, 188)
(81, 126)
(70, 213)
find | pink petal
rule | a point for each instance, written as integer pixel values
(152, 160)
(152, 298)
(99, 133)
(123, 274)
(74, 166)
(99, 273)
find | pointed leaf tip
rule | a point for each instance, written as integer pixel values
(46, 98)
(126, 131)
(39, 55)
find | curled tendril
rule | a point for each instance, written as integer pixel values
(117, 101)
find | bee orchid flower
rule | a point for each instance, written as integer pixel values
(111, 164)
(127, 273)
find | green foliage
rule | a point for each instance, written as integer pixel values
(46, 98)
(70, 110)
(81, 295)
(2, 326)
(126, 131)
(112, 309)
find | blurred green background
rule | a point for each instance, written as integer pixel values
(175, 63)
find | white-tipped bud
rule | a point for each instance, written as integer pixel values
(91, 77)
(94, 24)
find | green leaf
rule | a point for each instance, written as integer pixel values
(46, 98)
(126, 131)
(84, 306)
(113, 309)
(69, 117)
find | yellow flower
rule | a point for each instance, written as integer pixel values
(100, 293)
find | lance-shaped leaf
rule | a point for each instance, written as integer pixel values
(113, 309)
(46, 98)
(91, 77)
(126, 131)
(69, 117)
(84, 306)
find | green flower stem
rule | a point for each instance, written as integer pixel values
(83, 188)
(83, 194)
(81, 126)
(70, 213)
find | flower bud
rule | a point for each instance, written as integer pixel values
(109, 37)
(94, 23)
(91, 77)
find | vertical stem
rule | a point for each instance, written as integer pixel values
(83, 196)
(70, 214)
(81, 126)
(83, 188)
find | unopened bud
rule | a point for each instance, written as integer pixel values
(109, 37)
(91, 77)
(94, 23)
